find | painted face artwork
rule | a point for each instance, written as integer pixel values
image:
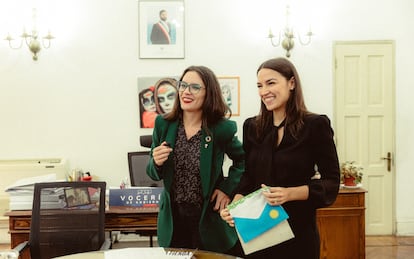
(166, 97)
(225, 90)
(147, 101)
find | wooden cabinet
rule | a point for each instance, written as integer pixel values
(19, 229)
(342, 226)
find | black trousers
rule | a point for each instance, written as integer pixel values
(186, 233)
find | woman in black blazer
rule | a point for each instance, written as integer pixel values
(285, 146)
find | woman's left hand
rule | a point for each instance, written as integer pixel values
(222, 200)
(276, 195)
(280, 195)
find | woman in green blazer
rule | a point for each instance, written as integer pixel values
(187, 153)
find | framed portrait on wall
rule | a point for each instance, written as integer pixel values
(230, 88)
(156, 95)
(161, 29)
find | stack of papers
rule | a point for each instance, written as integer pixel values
(150, 253)
(21, 193)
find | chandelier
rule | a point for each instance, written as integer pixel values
(31, 39)
(287, 35)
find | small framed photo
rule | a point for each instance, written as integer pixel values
(230, 88)
(161, 29)
(77, 197)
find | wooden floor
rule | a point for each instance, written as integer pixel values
(389, 247)
(377, 247)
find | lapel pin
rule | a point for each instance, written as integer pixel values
(207, 139)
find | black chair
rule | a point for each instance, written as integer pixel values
(145, 140)
(137, 163)
(67, 218)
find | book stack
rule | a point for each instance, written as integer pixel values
(21, 194)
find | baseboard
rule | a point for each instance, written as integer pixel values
(405, 228)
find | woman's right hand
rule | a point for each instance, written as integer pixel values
(161, 153)
(225, 215)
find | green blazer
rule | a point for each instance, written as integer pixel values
(215, 233)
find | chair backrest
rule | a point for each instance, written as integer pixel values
(67, 218)
(145, 140)
(137, 162)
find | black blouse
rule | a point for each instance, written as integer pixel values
(290, 164)
(187, 182)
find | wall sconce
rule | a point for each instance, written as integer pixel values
(31, 40)
(288, 36)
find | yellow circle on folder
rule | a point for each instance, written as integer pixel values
(274, 214)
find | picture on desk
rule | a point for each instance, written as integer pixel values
(77, 197)
(156, 95)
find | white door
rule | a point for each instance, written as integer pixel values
(364, 119)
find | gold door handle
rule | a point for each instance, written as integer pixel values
(388, 158)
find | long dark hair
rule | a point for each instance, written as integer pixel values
(214, 108)
(295, 108)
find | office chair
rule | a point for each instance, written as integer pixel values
(67, 218)
(145, 140)
(137, 163)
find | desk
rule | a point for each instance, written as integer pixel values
(141, 220)
(341, 226)
(144, 253)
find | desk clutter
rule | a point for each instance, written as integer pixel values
(21, 193)
(14, 170)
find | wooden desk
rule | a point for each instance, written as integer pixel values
(342, 226)
(116, 219)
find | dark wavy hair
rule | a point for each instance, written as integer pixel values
(214, 108)
(295, 108)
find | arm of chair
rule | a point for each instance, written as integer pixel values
(18, 249)
(107, 244)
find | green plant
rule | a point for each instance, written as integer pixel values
(350, 169)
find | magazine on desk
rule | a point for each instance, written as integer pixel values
(258, 224)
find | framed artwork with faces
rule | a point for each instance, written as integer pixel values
(156, 95)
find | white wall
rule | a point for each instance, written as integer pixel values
(79, 100)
